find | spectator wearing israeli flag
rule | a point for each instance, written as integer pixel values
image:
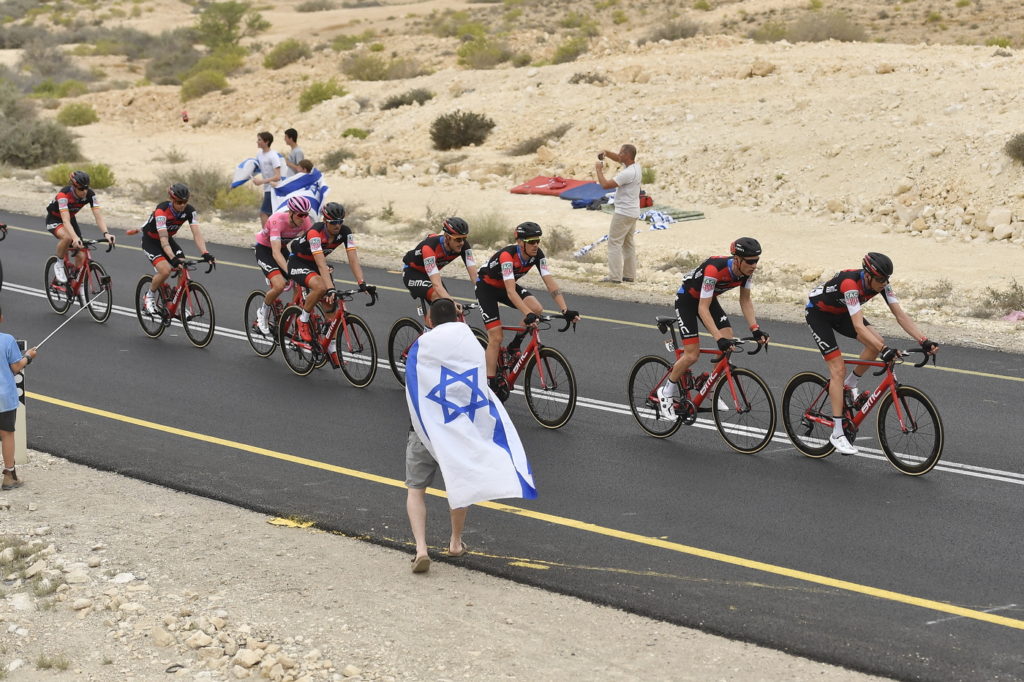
(459, 427)
(269, 164)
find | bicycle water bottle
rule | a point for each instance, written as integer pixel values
(686, 381)
(701, 379)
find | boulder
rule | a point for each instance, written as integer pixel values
(1000, 215)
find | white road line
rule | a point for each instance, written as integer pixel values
(620, 408)
(992, 610)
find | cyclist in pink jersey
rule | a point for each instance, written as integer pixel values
(272, 251)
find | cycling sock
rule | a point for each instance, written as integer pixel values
(332, 347)
(837, 426)
(851, 380)
(304, 317)
(58, 270)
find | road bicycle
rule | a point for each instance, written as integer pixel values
(549, 382)
(187, 301)
(88, 283)
(741, 402)
(406, 330)
(355, 349)
(265, 344)
(909, 428)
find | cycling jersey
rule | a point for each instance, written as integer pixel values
(67, 200)
(713, 277)
(318, 240)
(279, 227)
(165, 218)
(510, 263)
(430, 255)
(845, 293)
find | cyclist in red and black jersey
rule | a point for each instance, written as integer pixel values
(158, 241)
(62, 223)
(422, 271)
(497, 282)
(697, 298)
(307, 265)
(835, 306)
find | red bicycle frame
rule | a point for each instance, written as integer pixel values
(856, 414)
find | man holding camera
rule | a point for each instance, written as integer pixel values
(621, 246)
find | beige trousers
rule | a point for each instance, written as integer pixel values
(621, 247)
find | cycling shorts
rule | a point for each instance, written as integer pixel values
(824, 327)
(52, 226)
(301, 271)
(155, 253)
(490, 296)
(418, 284)
(265, 259)
(686, 313)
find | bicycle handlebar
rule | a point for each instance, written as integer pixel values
(904, 353)
(91, 244)
(3, 231)
(190, 264)
(348, 294)
(758, 347)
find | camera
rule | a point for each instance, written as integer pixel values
(600, 157)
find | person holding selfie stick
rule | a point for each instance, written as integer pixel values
(16, 361)
(621, 245)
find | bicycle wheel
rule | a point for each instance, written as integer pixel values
(806, 398)
(481, 336)
(912, 437)
(57, 294)
(647, 375)
(262, 344)
(357, 351)
(298, 354)
(550, 388)
(152, 323)
(102, 301)
(746, 420)
(197, 315)
(403, 333)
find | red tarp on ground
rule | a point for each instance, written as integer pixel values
(545, 185)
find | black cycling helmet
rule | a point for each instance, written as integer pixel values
(334, 212)
(79, 179)
(528, 230)
(878, 265)
(745, 247)
(456, 227)
(178, 192)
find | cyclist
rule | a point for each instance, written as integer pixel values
(62, 223)
(272, 251)
(308, 263)
(835, 306)
(497, 282)
(697, 298)
(432, 254)
(158, 241)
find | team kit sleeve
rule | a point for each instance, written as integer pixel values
(315, 241)
(350, 242)
(542, 265)
(430, 260)
(851, 296)
(508, 267)
(711, 277)
(467, 257)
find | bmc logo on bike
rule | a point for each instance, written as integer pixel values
(519, 363)
(709, 383)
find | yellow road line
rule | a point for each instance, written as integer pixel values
(609, 320)
(562, 520)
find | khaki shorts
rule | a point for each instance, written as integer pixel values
(420, 466)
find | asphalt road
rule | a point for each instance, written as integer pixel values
(843, 559)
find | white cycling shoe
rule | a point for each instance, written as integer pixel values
(261, 321)
(842, 445)
(149, 305)
(666, 399)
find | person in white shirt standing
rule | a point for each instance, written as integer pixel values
(291, 161)
(270, 172)
(621, 245)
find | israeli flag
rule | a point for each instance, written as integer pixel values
(309, 185)
(244, 172)
(461, 422)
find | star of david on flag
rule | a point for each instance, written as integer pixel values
(461, 422)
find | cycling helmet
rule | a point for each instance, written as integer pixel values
(178, 192)
(878, 265)
(528, 230)
(745, 247)
(299, 205)
(334, 212)
(80, 179)
(456, 227)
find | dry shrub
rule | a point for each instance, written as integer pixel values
(320, 91)
(570, 50)
(588, 77)
(672, 30)
(460, 129)
(204, 182)
(484, 53)
(814, 27)
(414, 96)
(202, 83)
(335, 158)
(1015, 148)
(77, 114)
(534, 143)
(366, 66)
(286, 52)
(28, 141)
(100, 175)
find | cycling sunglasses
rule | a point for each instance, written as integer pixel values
(458, 239)
(532, 241)
(334, 222)
(750, 261)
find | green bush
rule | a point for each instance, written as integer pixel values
(320, 91)
(589, 78)
(558, 241)
(570, 50)
(226, 23)
(358, 133)
(172, 57)
(452, 24)
(414, 96)
(202, 83)
(226, 59)
(769, 32)
(483, 53)
(366, 66)
(999, 41)
(532, 144)
(77, 114)
(1002, 301)
(335, 158)
(44, 60)
(1015, 148)
(100, 175)
(240, 203)
(648, 175)
(51, 88)
(346, 43)
(672, 30)
(315, 6)
(814, 27)
(286, 52)
(28, 141)
(459, 129)
(204, 182)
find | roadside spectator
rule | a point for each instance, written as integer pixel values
(621, 245)
(292, 159)
(9, 403)
(270, 172)
(306, 166)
